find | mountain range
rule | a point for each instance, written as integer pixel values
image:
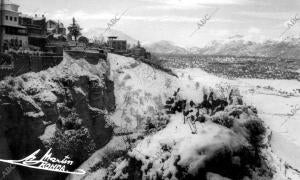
(165, 47)
(236, 45)
(288, 48)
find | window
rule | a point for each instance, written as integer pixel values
(6, 17)
(15, 31)
(10, 18)
(22, 31)
(6, 44)
(15, 18)
(20, 42)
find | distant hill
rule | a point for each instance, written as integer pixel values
(165, 47)
(289, 48)
(97, 33)
(236, 45)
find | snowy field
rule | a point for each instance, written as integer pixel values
(278, 104)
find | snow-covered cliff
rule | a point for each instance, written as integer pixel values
(148, 143)
(111, 117)
(63, 108)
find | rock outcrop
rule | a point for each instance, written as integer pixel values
(35, 108)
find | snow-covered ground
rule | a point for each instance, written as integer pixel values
(141, 92)
(281, 113)
(278, 104)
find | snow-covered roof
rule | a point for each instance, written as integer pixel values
(36, 18)
(58, 35)
(25, 15)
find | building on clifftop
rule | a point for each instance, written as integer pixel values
(13, 35)
(117, 46)
(36, 30)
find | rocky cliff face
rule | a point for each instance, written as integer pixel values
(39, 110)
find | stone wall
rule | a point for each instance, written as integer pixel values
(23, 63)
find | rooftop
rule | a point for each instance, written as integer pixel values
(7, 2)
(36, 18)
(60, 24)
(9, 6)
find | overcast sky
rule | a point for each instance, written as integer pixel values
(175, 20)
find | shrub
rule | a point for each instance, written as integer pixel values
(78, 144)
(134, 169)
(223, 120)
(10, 81)
(256, 131)
(149, 125)
(156, 123)
(110, 155)
(166, 147)
(253, 109)
(12, 84)
(72, 121)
